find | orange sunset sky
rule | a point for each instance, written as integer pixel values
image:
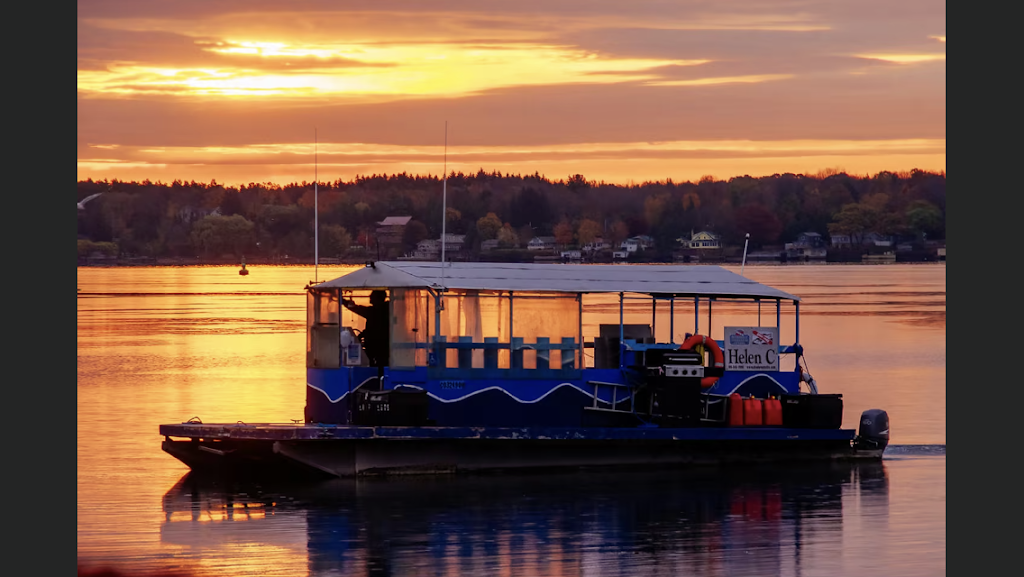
(615, 90)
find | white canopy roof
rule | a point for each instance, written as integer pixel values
(679, 280)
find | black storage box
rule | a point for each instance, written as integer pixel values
(679, 399)
(393, 408)
(812, 411)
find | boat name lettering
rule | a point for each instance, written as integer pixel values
(746, 357)
(452, 384)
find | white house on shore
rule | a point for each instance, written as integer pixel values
(704, 240)
(541, 243)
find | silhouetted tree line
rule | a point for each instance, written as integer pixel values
(189, 219)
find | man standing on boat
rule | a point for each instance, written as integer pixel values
(375, 335)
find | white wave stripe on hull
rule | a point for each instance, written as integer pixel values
(466, 396)
(523, 401)
(343, 395)
(744, 381)
(517, 399)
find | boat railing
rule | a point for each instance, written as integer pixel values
(466, 346)
(637, 346)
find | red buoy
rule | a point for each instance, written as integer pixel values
(772, 412)
(752, 413)
(735, 410)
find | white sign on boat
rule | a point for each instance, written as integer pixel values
(751, 349)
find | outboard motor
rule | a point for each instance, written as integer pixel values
(874, 430)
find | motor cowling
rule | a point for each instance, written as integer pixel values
(874, 429)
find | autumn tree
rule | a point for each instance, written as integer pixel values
(563, 232)
(507, 237)
(587, 231)
(617, 233)
(488, 226)
(335, 240)
(654, 208)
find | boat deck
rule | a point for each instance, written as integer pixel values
(299, 432)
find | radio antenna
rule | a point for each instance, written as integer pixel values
(744, 263)
(316, 214)
(444, 202)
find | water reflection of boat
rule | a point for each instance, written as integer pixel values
(488, 367)
(732, 519)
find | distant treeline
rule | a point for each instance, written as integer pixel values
(193, 219)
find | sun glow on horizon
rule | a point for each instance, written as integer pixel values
(634, 160)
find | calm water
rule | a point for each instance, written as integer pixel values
(161, 345)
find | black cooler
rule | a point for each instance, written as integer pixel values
(806, 411)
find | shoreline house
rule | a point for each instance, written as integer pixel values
(454, 247)
(390, 232)
(571, 255)
(840, 240)
(637, 243)
(546, 243)
(808, 245)
(865, 239)
(428, 249)
(596, 245)
(876, 239)
(703, 240)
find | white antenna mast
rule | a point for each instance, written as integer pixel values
(316, 214)
(444, 202)
(744, 263)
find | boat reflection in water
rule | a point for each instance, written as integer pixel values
(728, 521)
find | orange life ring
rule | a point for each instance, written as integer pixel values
(718, 359)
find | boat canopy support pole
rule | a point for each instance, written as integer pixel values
(797, 321)
(437, 311)
(758, 312)
(435, 348)
(622, 333)
(710, 300)
(579, 318)
(778, 317)
(654, 317)
(672, 320)
(696, 315)
(511, 341)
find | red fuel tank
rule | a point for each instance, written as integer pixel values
(772, 412)
(752, 412)
(735, 410)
